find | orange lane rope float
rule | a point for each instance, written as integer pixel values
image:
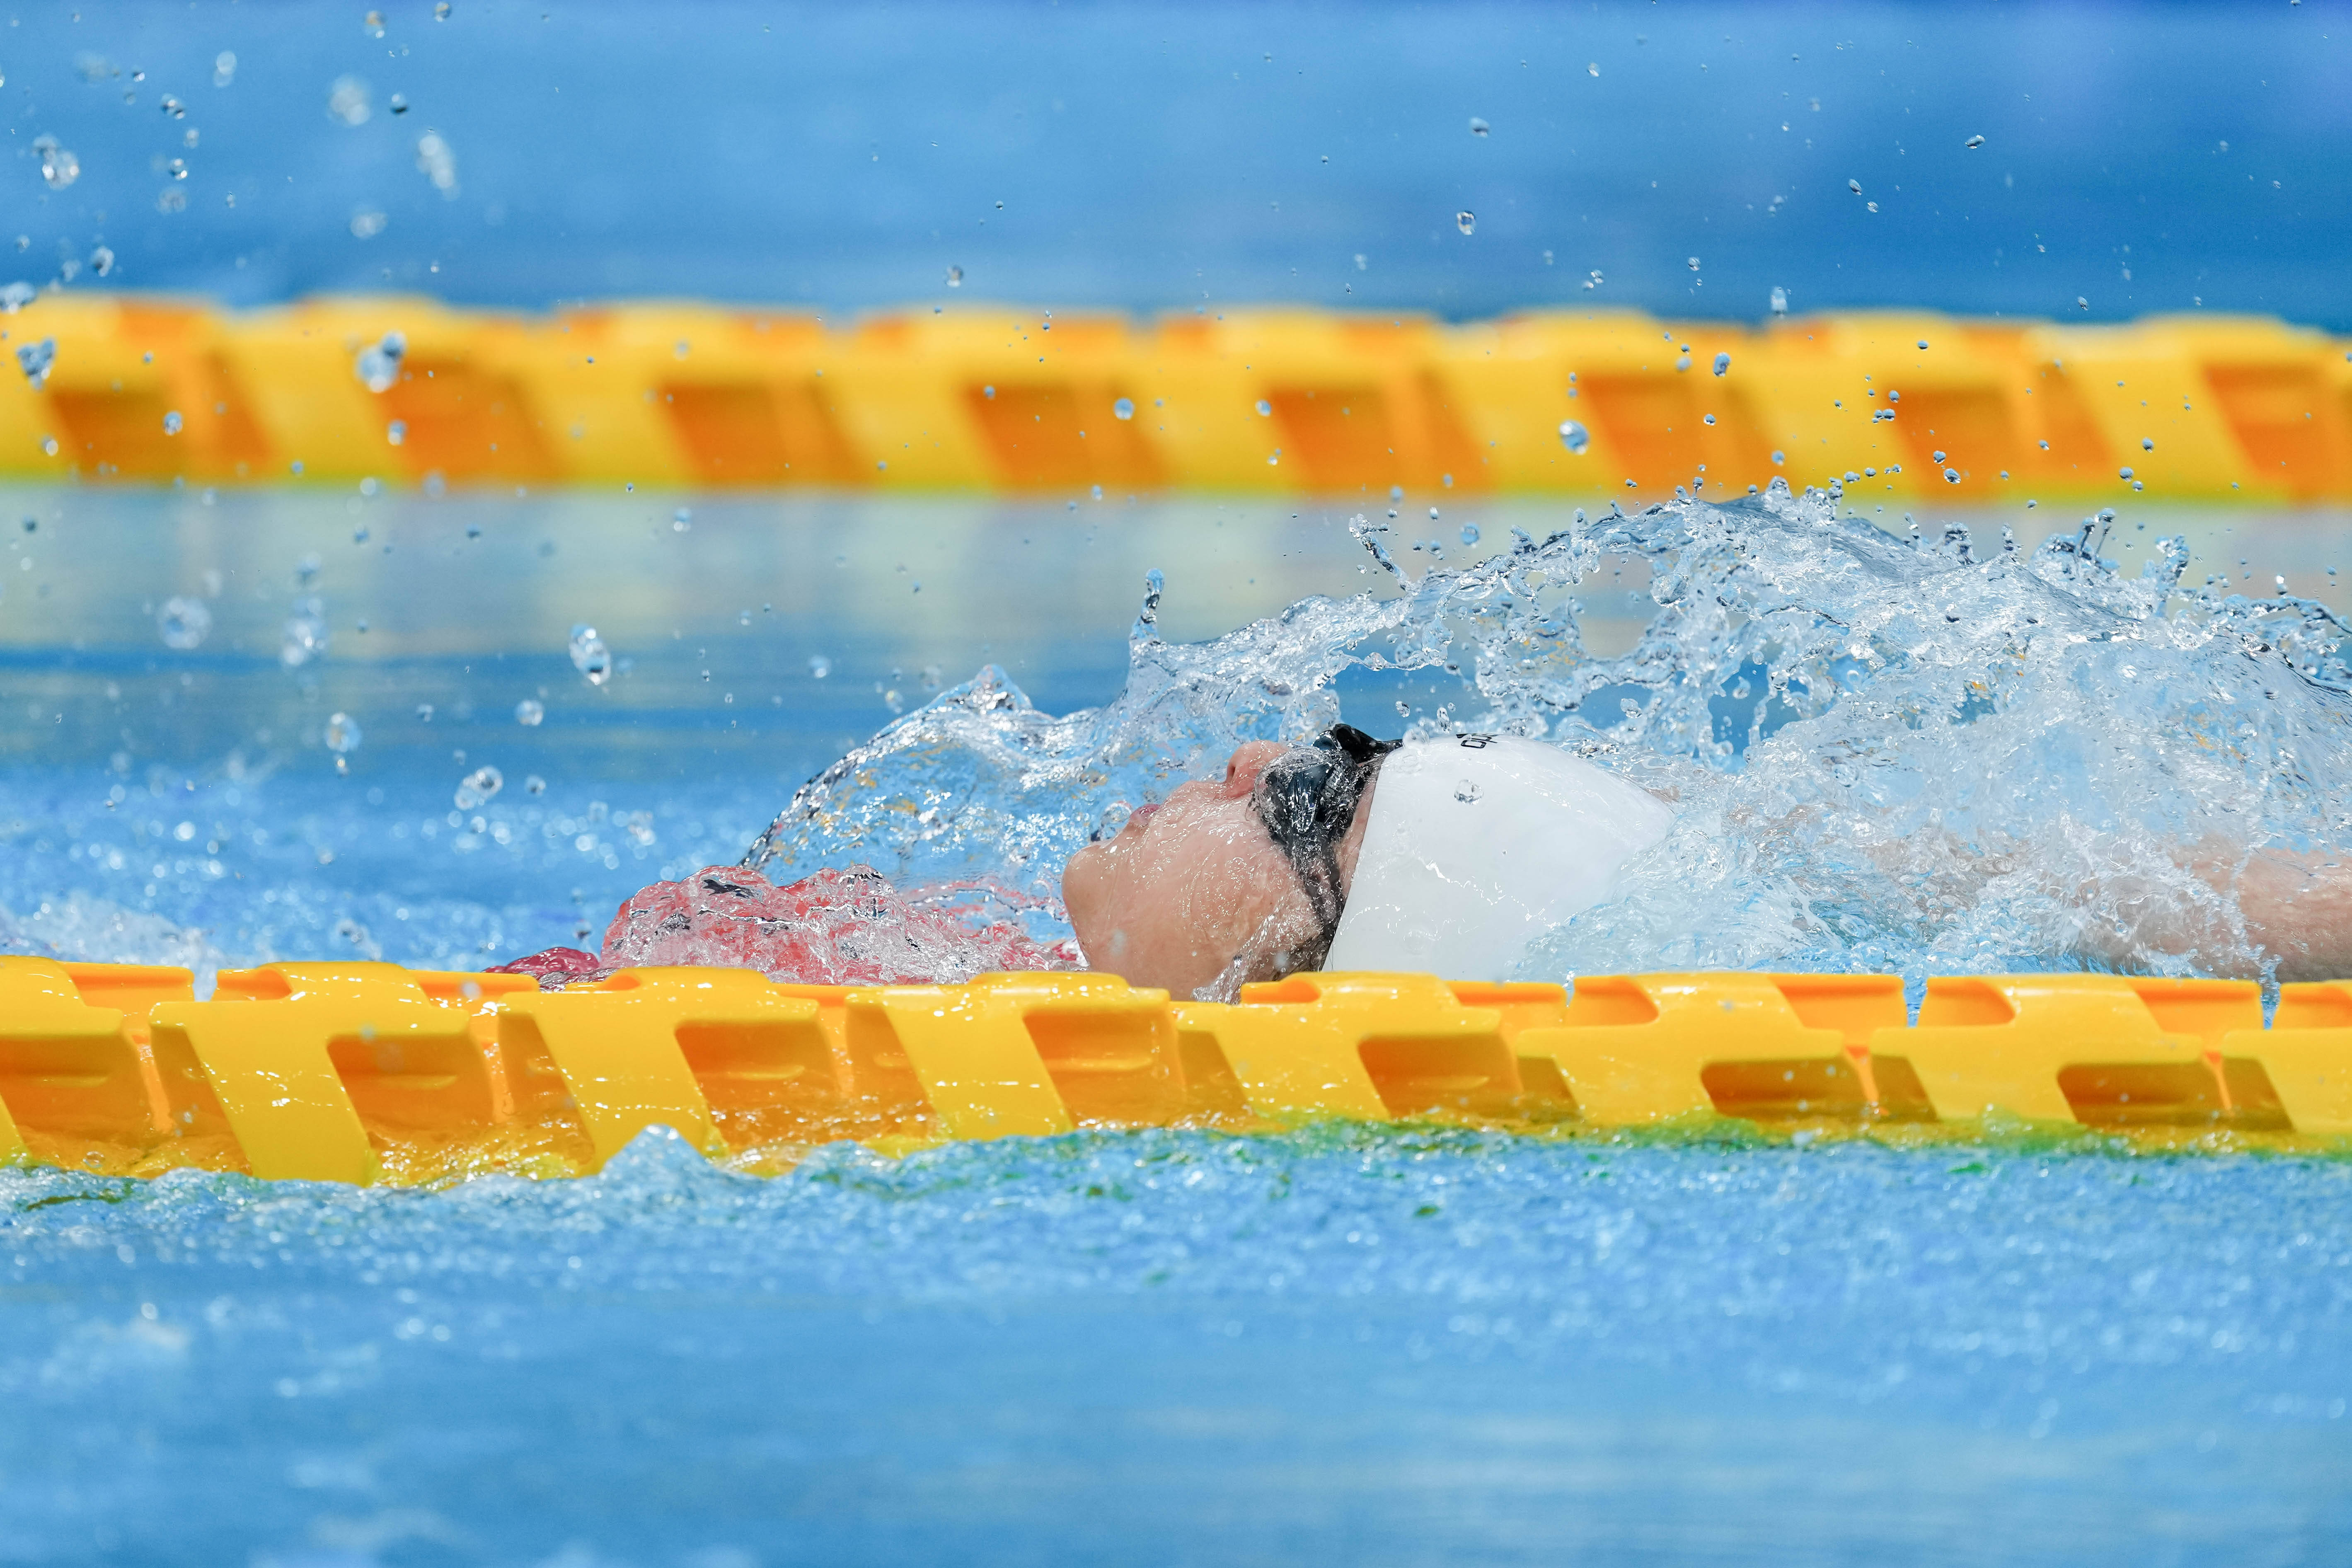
(366, 1073)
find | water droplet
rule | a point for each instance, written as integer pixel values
(1432, 514)
(1951, 476)
(479, 787)
(172, 423)
(342, 734)
(2148, 443)
(819, 666)
(2082, 302)
(396, 432)
(1855, 185)
(1592, 69)
(304, 637)
(1574, 436)
(533, 785)
(223, 69)
(589, 657)
(1469, 534)
(530, 713)
(1477, 126)
(681, 520)
(1264, 409)
(1939, 456)
(2123, 473)
(349, 102)
(437, 162)
(368, 225)
(173, 107)
(35, 359)
(1974, 142)
(1466, 221)
(1779, 301)
(1694, 263)
(1465, 792)
(440, 10)
(101, 261)
(60, 167)
(1124, 408)
(184, 623)
(398, 103)
(955, 277)
(1708, 419)
(379, 363)
(1722, 365)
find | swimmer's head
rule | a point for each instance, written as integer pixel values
(1231, 881)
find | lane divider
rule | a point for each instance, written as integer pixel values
(367, 1073)
(1270, 400)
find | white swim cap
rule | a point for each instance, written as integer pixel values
(1477, 845)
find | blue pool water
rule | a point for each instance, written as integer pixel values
(1391, 1347)
(1398, 1345)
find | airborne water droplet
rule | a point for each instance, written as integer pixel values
(955, 277)
(342, 734)
(184, 623)
(530, 713)
(1855, 185)
(1574, 436)
(589, 657)
(1477, 126)
(1466, 221)
(1124, 408)
(1722, 363)
(1975, 142)
(172, 423)
(1264, 409)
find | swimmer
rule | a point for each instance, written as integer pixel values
(1451, 856)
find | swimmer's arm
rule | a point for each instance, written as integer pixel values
(2297, 906)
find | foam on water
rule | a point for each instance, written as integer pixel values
(1885, 756)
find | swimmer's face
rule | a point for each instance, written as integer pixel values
(1191, 885)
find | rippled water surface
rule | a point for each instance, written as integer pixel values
(1401, 1345)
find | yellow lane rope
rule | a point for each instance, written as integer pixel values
(365, 1072)
(1266, 400)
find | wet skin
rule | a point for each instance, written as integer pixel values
(1192, 892)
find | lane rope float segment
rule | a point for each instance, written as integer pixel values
(367, 1073)
(1271, 401)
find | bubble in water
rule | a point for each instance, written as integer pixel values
(172, 423)
(349, 100)
(184, 623)
(342, 734)
(35, 359)
(1466, 221)
(1974, 142)
(1574, 436)
(60, 167)
(819, 666)
(1124, 408)
(530, 713)
(1469, 534)
(1479, 127)
(955, 277)
(101, 261)
(379, 363)
(396, 432)
(589, 657)
(223, 69)
(305, 635)
(1264, 409)
(479, 787)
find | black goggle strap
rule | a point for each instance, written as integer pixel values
(1307, 800)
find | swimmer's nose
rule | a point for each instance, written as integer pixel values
(1243, 768)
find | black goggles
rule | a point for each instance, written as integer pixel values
(1307, 799)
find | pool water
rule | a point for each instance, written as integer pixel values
(1398, 1345)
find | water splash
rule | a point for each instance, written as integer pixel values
(1884, 754)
